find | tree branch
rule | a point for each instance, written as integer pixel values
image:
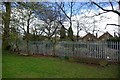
(113, 25)
(98, 14)
(115, 11)
(22, 29)
(63, 10)
(111, 5)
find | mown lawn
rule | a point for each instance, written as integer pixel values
(16, 66)
(0, 61)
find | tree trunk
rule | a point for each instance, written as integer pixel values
(6, 20)
(77, 35)
(27, 40)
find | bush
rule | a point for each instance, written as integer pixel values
(71, 59)
(57, 47)
(103, 63)
(89, 60)
(66, 57)
(114, 39)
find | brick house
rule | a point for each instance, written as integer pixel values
(105, 36)
(89, 37)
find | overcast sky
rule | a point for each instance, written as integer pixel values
(113, 19)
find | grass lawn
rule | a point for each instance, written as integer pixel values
(0, 61)
(16, 66)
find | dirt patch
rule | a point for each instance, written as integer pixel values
(86, 64)
(42, 55)
(50, 56)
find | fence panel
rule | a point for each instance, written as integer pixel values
(105, 50)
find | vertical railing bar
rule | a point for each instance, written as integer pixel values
(112, 50)
(117, 55)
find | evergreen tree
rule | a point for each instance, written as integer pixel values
(70, 33)
(62, 33)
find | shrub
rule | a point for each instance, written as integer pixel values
(61, 57)
(103, 63)
(71, 59)
(114, 39)
(66, 57)
(88, 60)
(57, 47)
(82, 51)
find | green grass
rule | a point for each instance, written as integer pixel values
(16, 66)
(0, 62)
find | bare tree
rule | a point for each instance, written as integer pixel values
(69, 16)
(24, 19)
(50, 23)
(109, 10)
(81, 9)
(87, 22)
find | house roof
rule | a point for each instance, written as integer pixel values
(105, 34)
(90, 35)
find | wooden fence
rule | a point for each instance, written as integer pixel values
(105, 50)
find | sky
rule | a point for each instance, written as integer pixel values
(55, 0)
(113, 19)
(100, 25)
